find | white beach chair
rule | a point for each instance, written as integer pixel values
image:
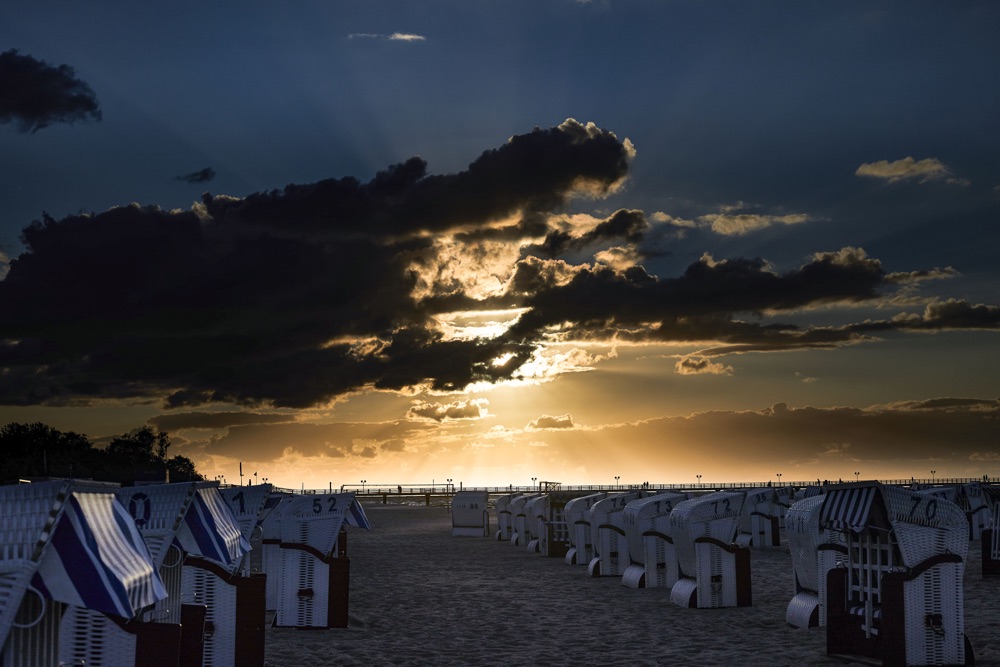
(607, 528)
(505, 521)
(519, 518)
(899, 596)
(646, 521)
(535, 511)
(714, 571)
(760, 522)
(990, 542)
(815, 551)
(553, 529)
(577, 513)
(233, 598)
(469, 516)
(174, 520)
(65, 545)
(270, 548)
(314, 587)
(977, 510)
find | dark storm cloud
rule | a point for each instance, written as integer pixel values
(34, 94)
(286, 298)
(201, 176)
(215, 420)
(624, 225)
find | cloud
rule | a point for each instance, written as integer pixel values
(202, 176)
(738, 224)
(923, 171)
(35, 94)
(701, 365)
(393, 37)
(4, 264)
(437, 412)
(215, 420)
(551, 422)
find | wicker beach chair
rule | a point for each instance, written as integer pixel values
(815, 551)
(977, 510)
(314, 576)
(175, 520)
(990, 543)
(505, 521)
(270, 548)
(233, 598)
(760, 522)
(63, 545)
(535, 511)
(898, 597)
(519, 519)
(577, 513)
(713, 570)
(645, 522)
(607, 528)
(553, 529)
(469, 517)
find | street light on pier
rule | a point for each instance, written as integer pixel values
(856, 476)
(699, 479)
(932, 475)
(533, 482)
(779, 478)
(449, 484)
(617, 485)
(363, 482)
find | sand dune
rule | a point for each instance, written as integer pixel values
(422, 597)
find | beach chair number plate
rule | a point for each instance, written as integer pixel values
(318, 505)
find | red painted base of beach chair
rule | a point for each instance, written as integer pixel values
(991, 561)
(886, 639)
(156, 644)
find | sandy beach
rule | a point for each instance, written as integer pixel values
(422, 597)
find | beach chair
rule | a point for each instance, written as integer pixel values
(977, 510)
(270, 547)
(899, 596)
(469, 517)
(535, 511)
(990, 543)
(174, 520)
(505, 520)
(65, 545)
(314, 587)
(553, 529)
(577, 513)
(519, 518)
(607, 527)
(232, 597)
(760, 522)
(645, 522)
(713, 570)
(815, 551)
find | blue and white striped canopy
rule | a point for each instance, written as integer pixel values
(210, 529)
(847, 508)
(356, 516)
(97, 559)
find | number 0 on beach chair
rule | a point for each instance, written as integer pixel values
(714, 570)
(65, 544)
(469, 517)
(899, 595)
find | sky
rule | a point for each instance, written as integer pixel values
(494, 242)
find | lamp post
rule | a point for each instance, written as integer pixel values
(449, 483)
(699, 479)
(932, 475)
(779, 478)
(533, 482)
(363, 482)
(265, 479)
(617, 485)
(856, 476)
